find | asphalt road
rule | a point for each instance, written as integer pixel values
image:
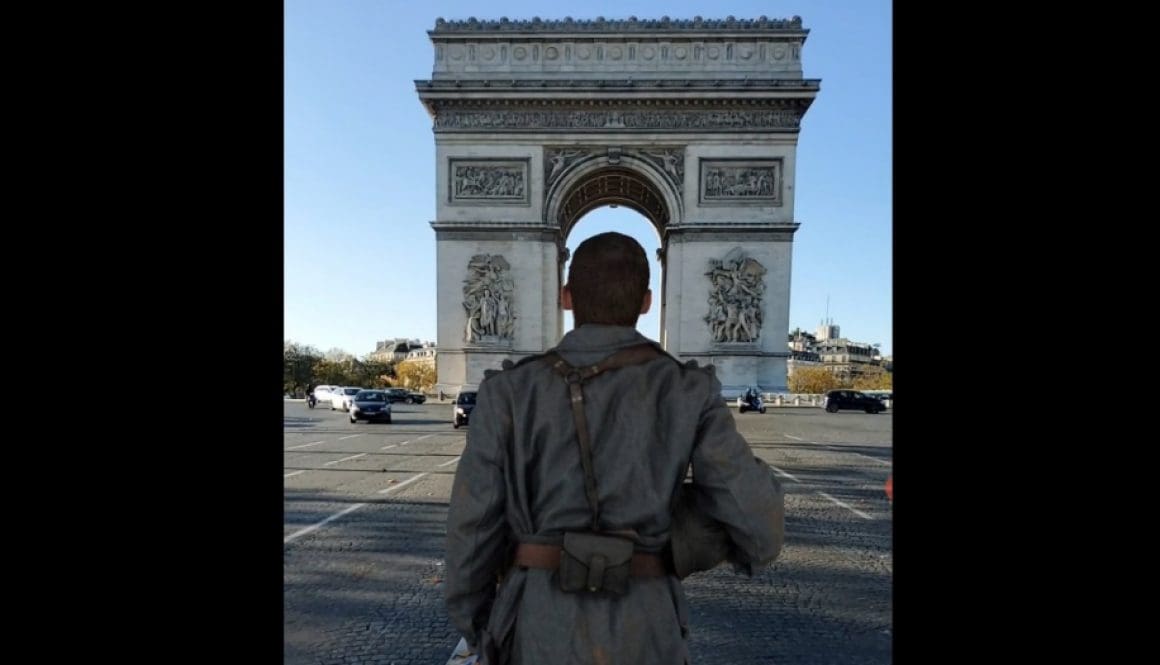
(365, 507)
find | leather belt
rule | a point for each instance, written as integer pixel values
(533, 555)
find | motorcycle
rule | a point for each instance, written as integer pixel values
(310, 401)
(751, 401)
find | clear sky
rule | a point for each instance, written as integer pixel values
(360, 165)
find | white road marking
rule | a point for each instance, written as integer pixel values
(791, 436)
(312, 527)
(784, 473)
(348, 437)
(305, 445)
(293, 473)
(398, 485)
(450, 463)
(875, 459)
(847, 506)
(345, 459)
(425, 436)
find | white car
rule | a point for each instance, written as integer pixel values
(323, 393)
(341, 398)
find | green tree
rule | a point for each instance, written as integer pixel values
(416, 375)
(874, 378)
(298, 363)
(374, 373)
(813, 380)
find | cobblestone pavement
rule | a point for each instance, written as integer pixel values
(364, 587)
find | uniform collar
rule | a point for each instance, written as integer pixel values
(598, 336)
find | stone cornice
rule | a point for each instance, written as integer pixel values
(618, 85)
(622, 103)
(490, 225)
(479, 230)
(734, 352)
(694, 232)
(604, 26)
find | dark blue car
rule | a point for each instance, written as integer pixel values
(370, 405)
(464, 404)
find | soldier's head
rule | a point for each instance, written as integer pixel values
(608, 281)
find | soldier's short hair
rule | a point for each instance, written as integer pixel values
(608, 278)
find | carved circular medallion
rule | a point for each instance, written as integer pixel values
(779, 53)
(551, 53)
(615, 53)
(713, 52)
(680, 52)
(648, 53)
(519, 53)
(488, 53)
(744, 52)
(583, 52)
(456, 52)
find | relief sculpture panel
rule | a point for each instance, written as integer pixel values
(736, 289)
(734, 181)
(488, 181)
(488, 299)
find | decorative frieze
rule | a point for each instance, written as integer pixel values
(488, 181)
(741, 181)
(488, 300)
(698, 120)
(736, 289)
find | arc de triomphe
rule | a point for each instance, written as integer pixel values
(691, 123)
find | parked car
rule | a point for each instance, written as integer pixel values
(323, 393)
(462, 408)
(404, 395)
(370, 405)
(342, 397)
(851, 399)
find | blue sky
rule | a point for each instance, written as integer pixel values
(359, 164)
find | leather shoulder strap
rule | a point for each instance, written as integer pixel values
(575, 377)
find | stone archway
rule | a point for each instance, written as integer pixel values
(596, 176)
(692, 124)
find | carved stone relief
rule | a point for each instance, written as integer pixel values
(736, 181)
(670, 160)
(736, 288)
(558, 159)
(488, 299)
(689, 120)
(490, 181)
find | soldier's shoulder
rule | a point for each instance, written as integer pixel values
(693, 366)
(508, 366)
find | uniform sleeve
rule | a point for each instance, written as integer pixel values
(477, 533)
(735, 488)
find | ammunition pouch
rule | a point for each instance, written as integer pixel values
(593, 563)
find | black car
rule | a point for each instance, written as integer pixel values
(370, 405)
(403, 395)
(851, 399)
(464, 404)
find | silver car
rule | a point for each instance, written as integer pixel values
(342, 397)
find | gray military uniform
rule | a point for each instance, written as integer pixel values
(520, 480)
